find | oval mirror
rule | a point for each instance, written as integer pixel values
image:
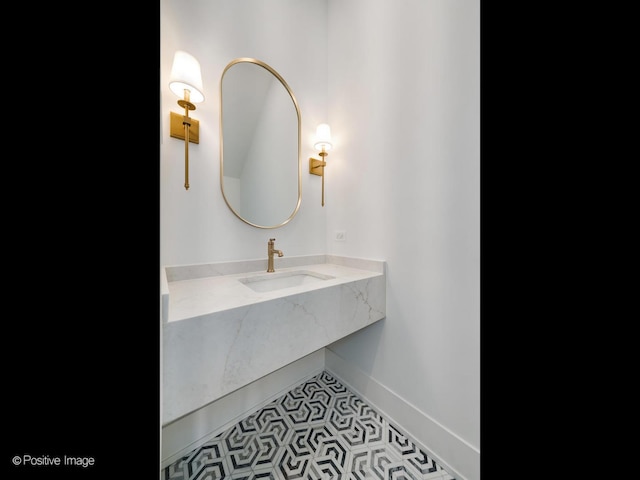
(260, 169)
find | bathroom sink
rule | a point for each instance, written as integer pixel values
(275, 281)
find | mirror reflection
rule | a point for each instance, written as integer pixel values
(260, 173)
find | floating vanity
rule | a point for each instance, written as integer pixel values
(228, 324)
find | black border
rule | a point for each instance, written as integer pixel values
(82, 338)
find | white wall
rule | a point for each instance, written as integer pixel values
(398, 81)
(404, 183)
(196, 226)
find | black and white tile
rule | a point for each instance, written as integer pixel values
(317, 430)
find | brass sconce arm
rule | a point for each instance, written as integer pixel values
(323, 145)
(316, 167)
(186, 125)
(186, 80)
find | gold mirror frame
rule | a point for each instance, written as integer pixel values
(295, 103)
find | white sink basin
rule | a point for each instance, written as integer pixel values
(275, 281)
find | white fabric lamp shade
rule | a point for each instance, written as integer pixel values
(323, 137)
(185, 74)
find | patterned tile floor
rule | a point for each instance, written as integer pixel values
(318, 430)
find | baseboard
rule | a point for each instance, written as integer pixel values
(197, 428)
(462, 458)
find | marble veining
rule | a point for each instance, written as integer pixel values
(204, 295)
(220, 335)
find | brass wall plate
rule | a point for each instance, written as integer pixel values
(177, 128)
(316, 167)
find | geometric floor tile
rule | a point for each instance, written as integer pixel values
(319, 430)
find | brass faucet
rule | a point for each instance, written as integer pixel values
(271, 251)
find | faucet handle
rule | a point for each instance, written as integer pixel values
(272, 239)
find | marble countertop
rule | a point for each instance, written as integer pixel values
(220, 335)
(188, 297)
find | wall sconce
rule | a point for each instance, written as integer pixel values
(323, 145)
(186, 83)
